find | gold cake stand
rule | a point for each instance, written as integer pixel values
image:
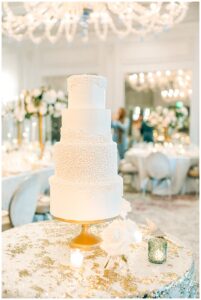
(85, 240)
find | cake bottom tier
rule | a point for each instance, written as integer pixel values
(85, 202)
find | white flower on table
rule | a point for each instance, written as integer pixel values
(118, 236)
(58, 106)
(19, 114)
(166, 122)
(184, 111)
(36, 93)
(50, 97)
(51, 109)
(57, 114)
(165, 111)
(60, 95)
(28, 99)
(31, 108)
(125, 208)
(159, 109)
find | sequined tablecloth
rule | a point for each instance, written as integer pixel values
(36, 263)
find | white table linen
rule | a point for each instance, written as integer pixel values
(180, 160)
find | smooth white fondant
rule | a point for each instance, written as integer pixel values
(83, 162)
(86, 91)
(91, 121)
(82, 137)
(85, 202)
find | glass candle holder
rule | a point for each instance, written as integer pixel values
(157, 250)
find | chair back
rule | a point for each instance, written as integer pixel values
(44, 179)
(158, 166)
(24, 201)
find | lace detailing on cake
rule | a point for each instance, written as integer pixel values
(85, 162)
(76, 80)
(81, 136)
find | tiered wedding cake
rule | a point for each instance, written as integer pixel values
(86, 186)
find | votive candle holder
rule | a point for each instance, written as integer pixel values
(157, 250)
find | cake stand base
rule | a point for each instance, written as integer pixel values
(85, 240)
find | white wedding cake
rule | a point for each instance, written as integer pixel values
(86, 186)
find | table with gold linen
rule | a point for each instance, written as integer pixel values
(36, 263)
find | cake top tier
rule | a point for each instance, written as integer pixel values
(86, 91)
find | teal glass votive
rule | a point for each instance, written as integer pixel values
(157, 250)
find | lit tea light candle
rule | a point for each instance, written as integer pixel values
(138, 236)
(157, 250)
(159, 255)
(76, 258)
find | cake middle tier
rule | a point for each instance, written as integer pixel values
(85, 162)
(87, 121)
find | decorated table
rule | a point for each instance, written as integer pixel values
(180, 159)
(37, 262)
(19, 165)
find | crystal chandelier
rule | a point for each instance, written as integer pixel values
(53, 20)
(173, 84)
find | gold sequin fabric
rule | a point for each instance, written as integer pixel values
(36, 264)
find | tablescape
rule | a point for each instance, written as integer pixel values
(181, 158)
(38, 262)
(51, 259)
(25, 159)
(86, 161)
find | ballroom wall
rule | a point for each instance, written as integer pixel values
(45, 63)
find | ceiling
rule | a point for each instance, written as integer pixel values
(191, 16)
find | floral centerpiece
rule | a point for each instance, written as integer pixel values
(37, 102)
(167, 120)
(120, 234)
(41, 101)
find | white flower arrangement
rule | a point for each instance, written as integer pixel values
(125, 208)
(43, 101)
(50, 97)
(120, 234)
(168, 117)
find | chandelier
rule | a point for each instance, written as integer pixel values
(173, 85)
(53, 20)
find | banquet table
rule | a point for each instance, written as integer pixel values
(36, 263)
(11, 183)
(180, 162)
